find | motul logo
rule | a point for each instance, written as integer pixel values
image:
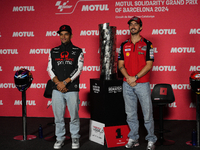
(39, 51)
(123, 32)
(38, 85)
(49, 103)
(23, 8)
(23, 34)
(28, 102)
(163, 31)
(82, 86)
(182, 50)
(164, 68)
(155, 50)
(172, 105)
(84, 51)
(96, 32)
(52, 33)
(194, 31)
(91, 68)
(85, 103)
(125, 3)
(103, 7)
(181, 86)
(192, 105)
(194, 68)
(8, 51)
(89, 32)
(7, 85)
(30, 68)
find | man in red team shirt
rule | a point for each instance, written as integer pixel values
(135, 60)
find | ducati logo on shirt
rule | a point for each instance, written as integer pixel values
(144, 48)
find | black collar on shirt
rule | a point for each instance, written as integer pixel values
(66, 46)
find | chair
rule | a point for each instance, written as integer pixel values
(161, 95)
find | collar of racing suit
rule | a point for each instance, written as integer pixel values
(66, 45)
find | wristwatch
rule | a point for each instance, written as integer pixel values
(65, 83)
(136, 77)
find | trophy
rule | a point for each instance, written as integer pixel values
(108, 55)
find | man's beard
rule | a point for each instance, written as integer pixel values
(137, 31)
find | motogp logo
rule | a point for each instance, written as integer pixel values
(62, 6)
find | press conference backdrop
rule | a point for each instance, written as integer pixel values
(28, 32)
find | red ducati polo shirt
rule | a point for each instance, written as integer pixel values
(135, 57)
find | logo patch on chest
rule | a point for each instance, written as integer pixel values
(140, 53)
(127, 54)
(128, 49)
(144, 48)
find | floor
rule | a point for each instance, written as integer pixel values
(11, 127)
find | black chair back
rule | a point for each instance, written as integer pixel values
(162, 94)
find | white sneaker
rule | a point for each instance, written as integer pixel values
(58, 144)
(75, 143)
(150, 146)
(132, 143)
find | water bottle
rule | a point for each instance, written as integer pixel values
(40, 132)
(194, 137)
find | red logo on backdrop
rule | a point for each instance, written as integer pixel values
(163, 91)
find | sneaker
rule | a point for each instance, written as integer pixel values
(75, 143)
(150, 146)
(132, 143)
(58, 144)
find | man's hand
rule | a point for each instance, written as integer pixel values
(64, 90)
(60, 86)
(133, 84)
(130, 79)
